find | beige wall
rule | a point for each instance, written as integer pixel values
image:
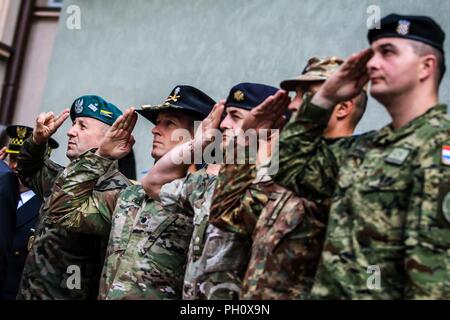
(34, 73)
(9, 10)
(37, 58)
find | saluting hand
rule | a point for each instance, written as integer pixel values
(269, 114)
(118, 140)
(47, 124)
(206, 131)
(346, 83)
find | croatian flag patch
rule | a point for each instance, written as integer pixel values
(446, 155)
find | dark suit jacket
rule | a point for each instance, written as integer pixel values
(9, 193)
(26, 220)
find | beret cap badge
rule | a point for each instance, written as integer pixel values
(78, 106)
(403, 27)
(21, 132)
(239, 96)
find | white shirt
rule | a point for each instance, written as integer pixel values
(24, 197)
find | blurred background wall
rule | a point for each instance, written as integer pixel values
(134, 52)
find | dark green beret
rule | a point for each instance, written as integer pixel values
(94, 107)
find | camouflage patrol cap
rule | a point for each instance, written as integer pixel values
(316, 70)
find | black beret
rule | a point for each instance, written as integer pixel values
(419, 28)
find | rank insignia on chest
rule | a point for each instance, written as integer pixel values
(445, 155)
(397, 156)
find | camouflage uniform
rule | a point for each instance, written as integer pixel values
(147, 248)
(46, 272)
(216, 259)
(390, 208)
(286, 232)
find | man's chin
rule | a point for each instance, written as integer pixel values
(156, 156)
(378, 91)
(71, 155)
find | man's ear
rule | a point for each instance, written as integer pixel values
(427, 67)
(343, 109)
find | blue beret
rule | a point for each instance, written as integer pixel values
(418, 28)
(186, 99)
(249, 95)
(94, 107)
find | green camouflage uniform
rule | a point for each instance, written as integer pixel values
(47, 270)
(390, 209)
(146, 254)
(215, 259)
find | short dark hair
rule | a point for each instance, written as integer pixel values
(423, 49)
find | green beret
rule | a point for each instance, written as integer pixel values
(94, 107)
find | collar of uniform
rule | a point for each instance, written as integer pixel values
(388, 134)
(112, 170)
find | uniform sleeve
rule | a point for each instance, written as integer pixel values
(181, 194)
(237, 202)
(225, 256)
(35, 169)
(75, 203)
(427, 261)
(307, 164)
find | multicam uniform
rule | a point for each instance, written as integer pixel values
(286, 231)
(55, 251)
(390, 211)
(215, 260)
(146, 254)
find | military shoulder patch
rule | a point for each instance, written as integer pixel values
(445, 155)
(397, 156)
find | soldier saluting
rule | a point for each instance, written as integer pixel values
(390, 210)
